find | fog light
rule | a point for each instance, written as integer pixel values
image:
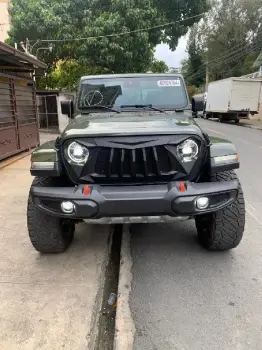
(202, 203)
(68, 207)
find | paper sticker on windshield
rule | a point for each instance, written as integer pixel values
(167, 83)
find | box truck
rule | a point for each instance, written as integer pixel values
(232, 99)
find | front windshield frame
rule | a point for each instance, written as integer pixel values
(133, 80)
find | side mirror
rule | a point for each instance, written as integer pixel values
(67, 108)
(198, 104)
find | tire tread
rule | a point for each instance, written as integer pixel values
(227, 225)
(46, 232)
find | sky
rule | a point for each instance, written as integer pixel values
(172, 59)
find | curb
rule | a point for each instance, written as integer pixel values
(14, 159)
(251, 127)
(94, 324)
(124, 324)
(243, 125)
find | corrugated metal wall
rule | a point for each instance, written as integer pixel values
(18, 116)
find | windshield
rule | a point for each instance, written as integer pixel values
(162, 92)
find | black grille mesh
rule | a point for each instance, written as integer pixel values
(133, 163)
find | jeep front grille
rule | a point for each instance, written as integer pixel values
(110, 162)
(137, 163)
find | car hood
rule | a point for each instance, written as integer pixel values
(106, 124)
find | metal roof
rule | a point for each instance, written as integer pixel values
(20, 61)
(258, 61)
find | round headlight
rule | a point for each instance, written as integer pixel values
(77, 153)
(188, 150)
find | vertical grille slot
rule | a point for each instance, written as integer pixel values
(121, 172)
(158, 171)
(116, 163)
(133, 164)
(164, 160)
(102, 166)
(127, 163)
(139, 163)
(110, 162)
(145, 162)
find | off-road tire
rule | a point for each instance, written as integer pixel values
(224, 229)
(207, 115)
(221, 118)
(48, 234)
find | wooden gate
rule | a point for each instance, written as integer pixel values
(19, 129)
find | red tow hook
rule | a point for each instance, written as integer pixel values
(87, 190)
(182, 187)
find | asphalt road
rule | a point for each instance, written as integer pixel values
(183, 297)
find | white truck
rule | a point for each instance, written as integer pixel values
(232, 99)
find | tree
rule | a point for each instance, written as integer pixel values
(194, 61)
(97, 20)
(159, 67)
(229, 38)
(66, 75)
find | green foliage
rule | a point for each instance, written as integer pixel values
(194, 61)
(66, 75)
(159, 67)
(76, 19)
(229, 39)
(192, 90)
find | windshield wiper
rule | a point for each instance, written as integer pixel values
(144, 107)
(104, 107)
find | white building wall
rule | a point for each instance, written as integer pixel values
(63, 119)
(4, 20)
(260, 113)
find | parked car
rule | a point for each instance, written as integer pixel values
(132, 153)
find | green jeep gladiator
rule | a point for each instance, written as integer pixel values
(132, 153)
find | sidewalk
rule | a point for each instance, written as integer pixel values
(46, 301)
(45, 137)
(252, 124)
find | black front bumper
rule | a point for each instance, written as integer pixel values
(132, 201)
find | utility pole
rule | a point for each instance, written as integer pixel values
(27, 45)
(207, 76)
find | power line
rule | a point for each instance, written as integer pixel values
(227, 59)
(122, 33)
(231, 59)
(228, 70)
(239, 55)
(233, 49)
(229, 52)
